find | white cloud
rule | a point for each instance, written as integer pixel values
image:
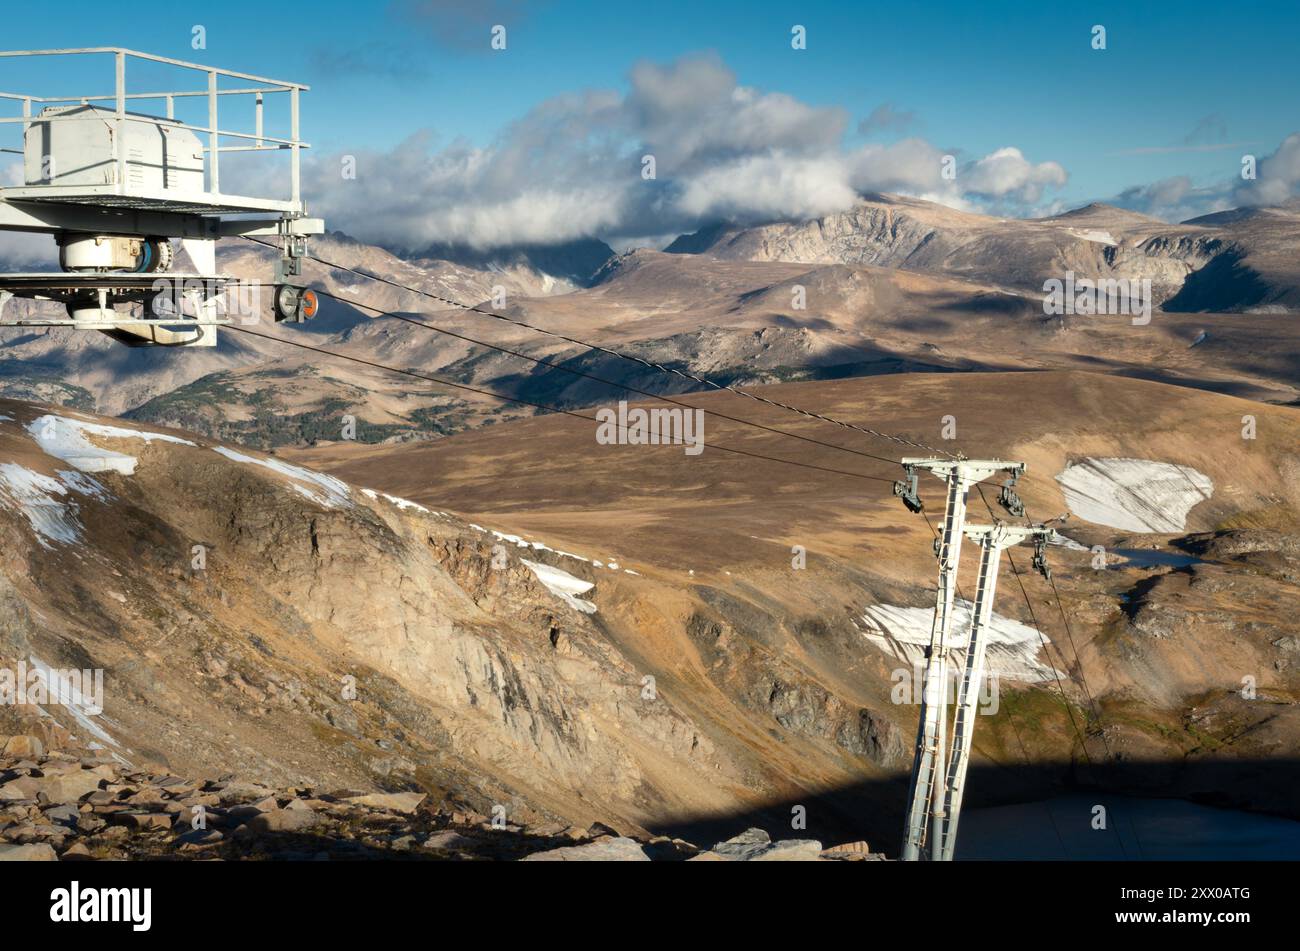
(24, 252)
(1179, 198)
(1279, 176)
(766, 187)
(1173, 199)
(572, 167)
(1008, 174)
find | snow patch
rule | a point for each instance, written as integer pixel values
(84, 484)
(563, 585)
(65, 439)
(520, 542)
(1065, 541)
(1134, 495)
(1099, 237)
(401, 503)
(85, 712)
(404, 504)
(322, 489)
(33, 494)
(904, 633)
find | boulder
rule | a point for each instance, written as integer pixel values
(848, 850)
(70, 786)
(449, 841)
(199, 837)
(791, 850)
(77, 851)
(283, 820)
(406, 802)
(743, 847)
(24, 746)
(147, 796)
(608, 849)
(755, 845)
(237, 791)
(65, 814)
(144, 820)
(32, 852)
(24, 787)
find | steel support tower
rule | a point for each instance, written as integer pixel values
(928, 798)
(992, 540)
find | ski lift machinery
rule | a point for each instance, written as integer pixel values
(115, 186)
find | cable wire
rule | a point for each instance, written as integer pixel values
(541, 361)
(1093, 706)
(704, 381)
(524, 402)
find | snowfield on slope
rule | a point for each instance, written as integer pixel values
(401, 503)
(34, 495)
(65, 692)
(1093, 235)
(904, 633)
(65, 439)
(520, 542)
(563, 585)
(324, 490)
(1134, 495)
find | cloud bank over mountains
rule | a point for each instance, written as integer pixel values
(576, 166)
(1178, 198)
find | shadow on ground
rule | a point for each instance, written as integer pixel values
(873, 810)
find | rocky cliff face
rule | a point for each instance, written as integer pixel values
(253, 616)
(1186, 263)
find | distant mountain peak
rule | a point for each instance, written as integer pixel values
(1098, 210)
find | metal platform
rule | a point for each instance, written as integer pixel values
(118, 324)
(25, 285)
(122, 160)
(127, 199)
(99, 292)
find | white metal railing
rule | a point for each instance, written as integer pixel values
(120, 97)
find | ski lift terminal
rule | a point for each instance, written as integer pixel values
(115, 177)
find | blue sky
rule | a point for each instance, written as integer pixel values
(1181, 90)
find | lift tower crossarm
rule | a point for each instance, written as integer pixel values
(992, 539)
(927, 800)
